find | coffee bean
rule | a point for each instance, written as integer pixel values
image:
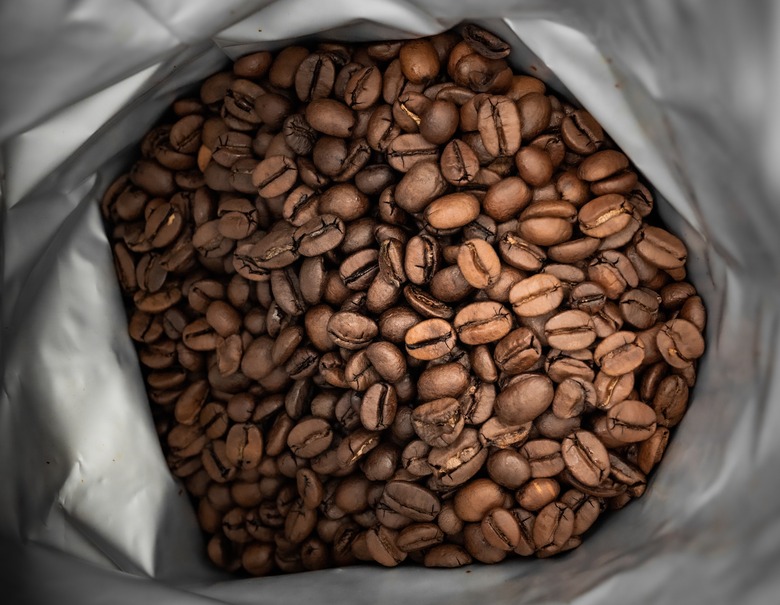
(429, 339)
(319, 235)
(527, 396)
(482, 322)
(411, 500)
(452, 211)
(422, 259)
(377, 411)
(570, 330)
(310, 437)
(660, 248)
(631, 421)
(501, 529)
(680, 343)
(438, 422)
(536, 295)
(479, 263)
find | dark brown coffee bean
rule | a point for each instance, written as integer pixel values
(581, 133)
(546, 223)
(474, 500)
(439, 121)
(359, 269)
(508, 468)
(364, 88)
(495, 433)
(411, 500)
(378, 408)
(275, 175)
(553, 527)
(671, 400)
(485, 43)
(501, 529)
(419, 61)
(356, 445)
(544, 457)
(310, 437)
(314, 77)
(586, 457)
(445, 380)
(381, 544)
(276, 250)
(419, 536)
(527, 396)
(244, 446)
(506, 199)
(619, 353)
(406, 150)
(438, 422)
(458, 462)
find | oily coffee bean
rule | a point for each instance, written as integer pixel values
(395, 301)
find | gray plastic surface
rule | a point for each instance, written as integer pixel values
(88, 510)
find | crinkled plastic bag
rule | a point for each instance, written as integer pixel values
(88, 510)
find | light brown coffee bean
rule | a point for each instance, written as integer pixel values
(482, 322)
(429, 339)
(536, 295)
(479, 263)
(631, 421)
(680, 343)
(452, 211)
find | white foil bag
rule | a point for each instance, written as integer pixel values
(89, 512)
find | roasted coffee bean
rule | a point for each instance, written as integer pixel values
(630, 421)
(501, 529)
(377, 410)
(544, 457)
(411, 500)
(458, 462)
(680, 343)
(660, 248)
(536, 295)
(586, 457)
(422, 259)
(438, 422)
(527, 396)
(482, 322)
(499, 126)
(310, 437)
(319, 235)
(479, 263)
(445, 380)
(519, 253)
(452, 211)
(570, 330)
(475, 499)
(429, 339)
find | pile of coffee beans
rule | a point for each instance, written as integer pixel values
(395, 302)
